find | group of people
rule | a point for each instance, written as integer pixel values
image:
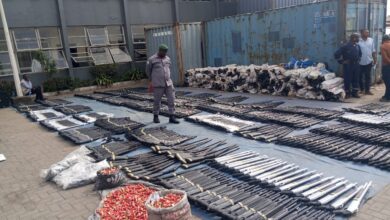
(359, 57)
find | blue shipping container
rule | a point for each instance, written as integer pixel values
(313, 30)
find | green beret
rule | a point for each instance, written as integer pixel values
(163, 47)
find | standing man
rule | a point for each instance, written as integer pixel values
(385, 51)
(159, 74)
(349, 55)
(367, 61)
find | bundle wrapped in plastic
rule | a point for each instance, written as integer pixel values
(268, 79)
(333, 89)
(80, 174)
(76, 156)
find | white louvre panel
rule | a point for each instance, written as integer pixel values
(101, 56)
(58, 57)
(50, 38)
(119, 55)
(82, 57)
(25, 39)
(115, 35)
(97, 36)
(77, 37)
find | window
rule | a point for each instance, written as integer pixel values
(97, 45)
(101, 56)
(139, 43)
(81, 56)
(97, 36)
(77, 37)
(115, 35)
(30, 43)
(28, 63)
(50, 38)
(26, 39)
(5, 64)
(3, 43)
(58, 57)
(120, 54)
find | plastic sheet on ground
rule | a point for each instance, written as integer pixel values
(59, 124)
(92, 117)
(82, 135)
(351, 171)
(27, 108)
(41, 115)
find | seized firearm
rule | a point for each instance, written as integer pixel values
(291, 120)
(266, 133)
(340, 148)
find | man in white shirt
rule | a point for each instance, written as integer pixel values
(28, 88)
(367, 61)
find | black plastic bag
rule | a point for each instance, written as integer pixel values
(109, 181)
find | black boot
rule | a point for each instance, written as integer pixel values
(173, 120)
(155, 119)
(355, 95)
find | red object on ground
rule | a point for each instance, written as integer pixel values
(168, 200)
(150, 88)
(109, 171)
(126, 203)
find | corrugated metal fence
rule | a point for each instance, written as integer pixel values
(185, 46)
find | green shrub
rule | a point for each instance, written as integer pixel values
(56, 84)
(78, 83)
(104, 74)
(134, 74)
(60, 84)
(104, 80)
(109, 70)
(8, 87)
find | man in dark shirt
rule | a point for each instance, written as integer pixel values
(349, 55)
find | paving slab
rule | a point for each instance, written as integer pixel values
(23, 194)
(377, 208)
